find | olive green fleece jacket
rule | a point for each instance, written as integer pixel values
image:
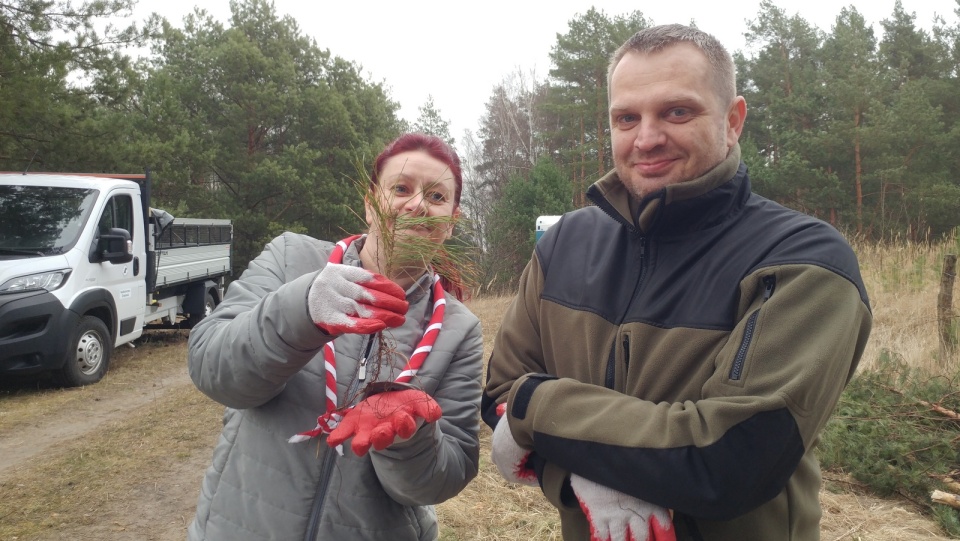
(689, 357)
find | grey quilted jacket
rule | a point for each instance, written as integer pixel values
(260, 355)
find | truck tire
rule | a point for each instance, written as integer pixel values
(89, 355)
(209, 303)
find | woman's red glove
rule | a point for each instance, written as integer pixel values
(379, 420)
(346, 299)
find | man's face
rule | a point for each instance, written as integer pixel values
(667, 123)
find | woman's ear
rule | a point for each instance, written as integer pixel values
(456, 216)
(368, 210)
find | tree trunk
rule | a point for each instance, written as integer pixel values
(578, 189)
(945, 316)
(788, 83)
(601, 140)
(859, 175)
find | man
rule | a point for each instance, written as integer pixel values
(680, 345)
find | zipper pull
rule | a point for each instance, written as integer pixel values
(771, 283)
(362, 371)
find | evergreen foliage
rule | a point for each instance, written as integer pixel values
(576, 94)
(546, 191)
(886, 435)
(63, 83)
(431, 122)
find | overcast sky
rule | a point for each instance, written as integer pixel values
(458, 51)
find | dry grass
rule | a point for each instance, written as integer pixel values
(903, 282)
(31, 401)
(490, 508)
(84, 488)
(83, 480)
(850, 514)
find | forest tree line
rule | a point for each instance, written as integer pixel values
(253, 121)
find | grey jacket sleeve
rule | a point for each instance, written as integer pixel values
(441, 458)
(259, 336)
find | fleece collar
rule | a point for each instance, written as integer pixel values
(677, 208)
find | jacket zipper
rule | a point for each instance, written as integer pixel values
(326, 468)
(770, 283)
(626, 351)
(329, 459)
(611, 375)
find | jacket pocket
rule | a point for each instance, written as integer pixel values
(736, 371)
(619, 351)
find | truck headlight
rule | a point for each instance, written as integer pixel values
(44, 280)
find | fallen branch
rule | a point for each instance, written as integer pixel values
(939, 496)
(949, 482)
(935, 407)
(846, 479)
(941, 410)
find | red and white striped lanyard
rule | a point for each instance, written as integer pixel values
(329, 420)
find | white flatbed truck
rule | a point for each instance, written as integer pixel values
(86, 265)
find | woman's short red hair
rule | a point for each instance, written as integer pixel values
(432, 145)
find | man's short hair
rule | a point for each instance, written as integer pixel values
(657, 38)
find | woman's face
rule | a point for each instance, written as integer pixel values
(418, 188)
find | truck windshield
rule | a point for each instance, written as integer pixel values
(42, 220)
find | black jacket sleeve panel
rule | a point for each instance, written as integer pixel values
(716, 482)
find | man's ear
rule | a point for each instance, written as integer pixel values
(736, 116)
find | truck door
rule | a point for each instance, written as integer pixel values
(125, 281)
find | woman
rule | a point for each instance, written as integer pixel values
(306, 313)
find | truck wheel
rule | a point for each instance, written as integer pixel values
(208, 305)
(89, 357)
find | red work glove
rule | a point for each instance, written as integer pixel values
(511, 459)
(346, 299)
(381, 419)
(615, 516)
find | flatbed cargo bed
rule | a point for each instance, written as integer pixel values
(192, 248)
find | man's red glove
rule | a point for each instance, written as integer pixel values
(615, 516)
(512, 460)
(380, 419)
(347, 299)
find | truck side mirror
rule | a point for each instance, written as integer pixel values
(115, 246)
